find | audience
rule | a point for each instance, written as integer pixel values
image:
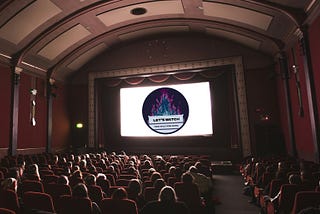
(92, 170)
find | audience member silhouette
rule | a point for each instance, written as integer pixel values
(167, 203)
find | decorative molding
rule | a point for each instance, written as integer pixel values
(28, 151)
(24, 151)
(176, 67)
(313, 11)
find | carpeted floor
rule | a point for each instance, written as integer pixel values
(228, 189)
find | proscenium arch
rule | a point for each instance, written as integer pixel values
(176, 67)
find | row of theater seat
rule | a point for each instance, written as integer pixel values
(274, 194)
(47, 195)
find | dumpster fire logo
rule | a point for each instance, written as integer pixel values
(165, 110)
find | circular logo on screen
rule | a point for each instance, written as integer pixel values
(165, 110)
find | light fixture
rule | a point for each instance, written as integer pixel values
(33, 91)
(138, 11)
(79, 125)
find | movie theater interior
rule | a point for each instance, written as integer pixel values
(160, 106)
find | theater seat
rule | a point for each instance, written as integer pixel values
(112, 189)
(111, 178)
(38, 201)
(69, 204)
(150, 194)
(95, 193)
(305, 199)
(122, 182)
(6, 211)
(275, 186)
(286, 199)
(114, 206)
(57, 190)
(189, 193)
(49, 179)
(30, 185)
(9, 200)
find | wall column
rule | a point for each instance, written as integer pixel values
(15, 83)
(50, 85)
(285, 76)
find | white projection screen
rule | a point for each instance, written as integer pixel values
(198, 123)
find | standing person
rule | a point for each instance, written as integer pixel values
(205, 186)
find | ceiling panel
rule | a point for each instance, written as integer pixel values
(237, 14)
(64, 41)
(152, 9)
(21, 25)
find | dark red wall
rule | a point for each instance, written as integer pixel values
(78, 104)
(32, 139)
(314, 32)
(302, 125)
(261, 87)
(283, 110)
(61, 125)
(31, 136)
(5, 99)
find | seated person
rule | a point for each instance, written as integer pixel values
(167, 203)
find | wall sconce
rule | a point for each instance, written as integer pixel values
(33, 91)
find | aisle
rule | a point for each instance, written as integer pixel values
(228, 188)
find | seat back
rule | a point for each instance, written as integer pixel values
(286, 199)
(38, 201)
(95, 193)
(6, 211)
(188, 193)
(113, 188)
(305, 199)
(9, 200)
(49, 178)
(68, 204)
(113, 206)
(111, 178)
(150, 194)
(104, 184)
(57, 190)
(171, 181)
(127, 176)
(74, 181)
(266, 178)
(275, 187)
(122, 182)
(31, 185)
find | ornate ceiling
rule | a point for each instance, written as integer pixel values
(57, 37)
